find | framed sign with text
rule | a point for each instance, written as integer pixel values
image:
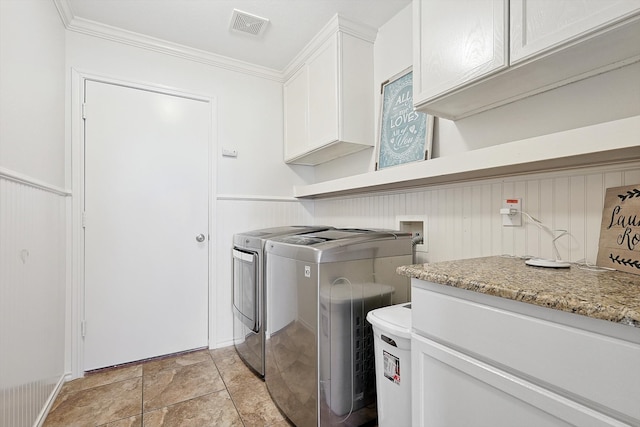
(619, 246)
(405, 135)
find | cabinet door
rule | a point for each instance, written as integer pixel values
(541, 25)
(295, 114)
(450, 388)
(323, 94)
(523, 344)
(456, 43)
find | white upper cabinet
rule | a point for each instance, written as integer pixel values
(329, 99)
(542, 25)
(463, 41)
(475, 55)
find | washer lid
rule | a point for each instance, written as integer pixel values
(342, 244)
(395, 319)
(255, 239)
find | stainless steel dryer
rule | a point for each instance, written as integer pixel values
(249, 305)
(320, 357)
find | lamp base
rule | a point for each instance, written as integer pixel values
(548, 263)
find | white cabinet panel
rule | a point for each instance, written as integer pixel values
(295, 114)
(452, 389)
(354, 91)
(523, 344)
(329, 113)
(323, 94)
(460, 41)
(540, 25)
(528, 352)
(466, 62)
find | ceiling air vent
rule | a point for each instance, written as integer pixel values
(243, 22)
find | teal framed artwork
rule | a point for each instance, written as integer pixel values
(405, 135)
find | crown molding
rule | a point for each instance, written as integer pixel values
(130, 38)
(64, 10)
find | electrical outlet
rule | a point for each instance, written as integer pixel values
(511, 212)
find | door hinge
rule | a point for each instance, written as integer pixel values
(83, 328)
(84, 110)
(84, 219)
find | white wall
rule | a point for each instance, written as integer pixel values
(32, 300)
(249, 110)
(32, 90)
(249, 120)
(251, 191)
(599, 99)
(32, 209)
(462, 219)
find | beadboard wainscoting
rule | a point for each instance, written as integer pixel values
(463, 219)
(32, 297)
(235, 214)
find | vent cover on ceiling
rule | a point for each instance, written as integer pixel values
(243, 22)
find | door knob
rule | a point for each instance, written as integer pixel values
(200, 238)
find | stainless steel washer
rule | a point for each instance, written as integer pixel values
(320, 355)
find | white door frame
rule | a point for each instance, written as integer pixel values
(75, 310)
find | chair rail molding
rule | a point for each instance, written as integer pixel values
(33, 182)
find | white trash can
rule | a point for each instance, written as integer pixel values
(392, 346)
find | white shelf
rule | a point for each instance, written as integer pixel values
(612, 142)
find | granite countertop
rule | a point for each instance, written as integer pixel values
(607, 295)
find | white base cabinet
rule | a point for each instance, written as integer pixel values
(487, 361)
(474, 55)
(328, 101)
(456, 390)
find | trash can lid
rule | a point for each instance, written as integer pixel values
(395, 319)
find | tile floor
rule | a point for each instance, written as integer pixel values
(198, 389)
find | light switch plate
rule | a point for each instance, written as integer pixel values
(229, 152)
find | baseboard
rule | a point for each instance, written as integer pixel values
(42, 416)
(221, 344)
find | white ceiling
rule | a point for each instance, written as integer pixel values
(204, 24)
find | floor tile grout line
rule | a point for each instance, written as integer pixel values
(182, 401)
(85, 390)
(233, 402)
(227, 389)
(186, 400)
(120, 419)
(99, 385)
(102, 385)
(142, 399)
(217, 359)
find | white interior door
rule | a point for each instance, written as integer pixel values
(146, 203)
